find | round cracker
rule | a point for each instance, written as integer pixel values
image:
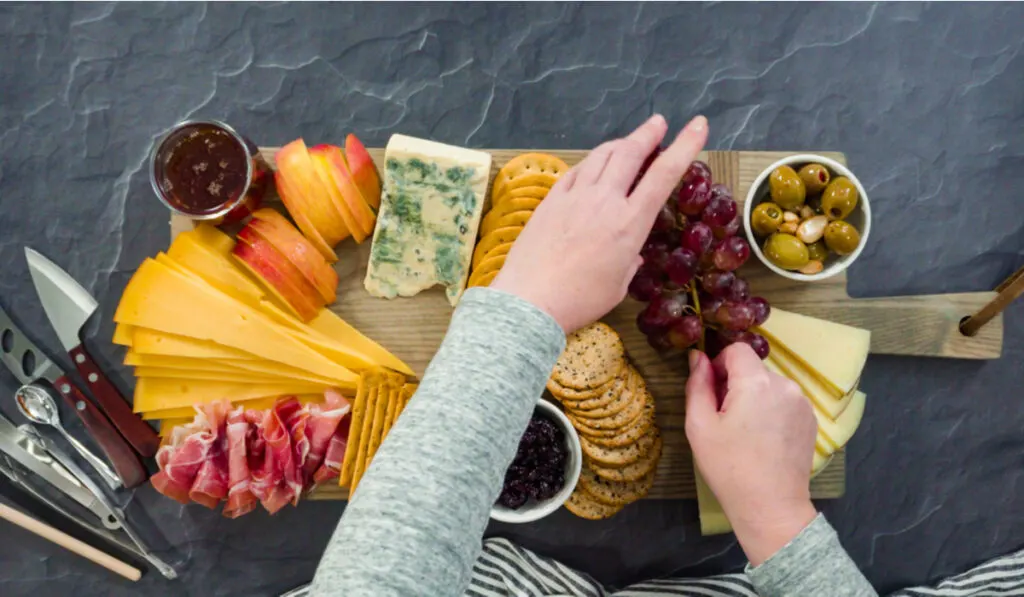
(501, 249)
(590, 398)
(633, 409)
(527, 165)
(485, 280)
(621, 456)
(614, 493)
(633, 471)
(627, 396)
(531, 192)
(593, 355)
(488, 265)
(516, 218)
(629, 434)
(510, 205)
(500, 236)
(585, 506)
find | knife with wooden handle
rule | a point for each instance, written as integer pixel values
(68, 306)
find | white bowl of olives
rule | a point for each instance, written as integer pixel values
(807, 217)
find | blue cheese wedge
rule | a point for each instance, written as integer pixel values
(430, 209)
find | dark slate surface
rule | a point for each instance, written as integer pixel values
(926, 101)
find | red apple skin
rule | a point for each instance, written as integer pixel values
(291, 202)
(349, 191)
(319, 156)
(308, 192)
(364, 171)
(279, 275)
(288, 241)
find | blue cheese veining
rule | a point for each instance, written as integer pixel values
(430, 210)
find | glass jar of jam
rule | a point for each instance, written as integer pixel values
(205, 170)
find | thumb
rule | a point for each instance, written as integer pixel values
(701, 400)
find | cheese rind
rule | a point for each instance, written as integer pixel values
(833, 352)
(822, 398)
(431, 205)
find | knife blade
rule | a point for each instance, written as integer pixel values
(12, 442)
(68, 306)
(30, 364)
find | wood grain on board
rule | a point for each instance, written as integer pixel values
(412, 328)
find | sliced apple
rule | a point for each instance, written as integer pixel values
(321, 162)
(310, 194)
(364, 172)
(349, 191)
(280, 277)
(289, 198)
(279, 232)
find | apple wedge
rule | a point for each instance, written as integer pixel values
(311, 195)
(349, 191)
(275, 229)
(278, 274)
(322, 164)
(289, 197)
(364, 172)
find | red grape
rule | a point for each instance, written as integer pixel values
(698, 168)
(694, 195)
(697, 238)
(646, 326)
(735, 315)
(686, 333)
(681, 266)
(646, 283)
(717, 283)
(740, 290)
(709, 308)
(719, 212)
(759, 344)
(720, 190)
(761, 309)
(666, 219)
(731, 254)
(664, 311)
(659, 342)
(729, 229)
(655, 253)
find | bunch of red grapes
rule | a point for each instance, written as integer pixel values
(688, 278)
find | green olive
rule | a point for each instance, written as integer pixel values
(815, 177)
(817, 251)
(786, 251)
(839, 199)
(767, 218)
(841, 237)
(786, 188)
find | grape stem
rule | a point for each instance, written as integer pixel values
(696, 306)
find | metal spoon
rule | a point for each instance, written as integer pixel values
(38, 406)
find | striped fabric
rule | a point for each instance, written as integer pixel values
(507, 570)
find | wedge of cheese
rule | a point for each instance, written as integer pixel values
(820, 462)
(780, 362)
(122, 335)
(156, 393)
(832, 352)
(174, 362)
(155, 342)
(712, 518)
(431, 204)
(838, 433)
(239, 376)
(162, 299)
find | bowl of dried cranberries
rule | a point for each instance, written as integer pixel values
(545, 469)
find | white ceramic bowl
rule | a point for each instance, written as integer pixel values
(535, 510)
(860, 218)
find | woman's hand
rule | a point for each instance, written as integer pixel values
(755, 452)
(577, 254)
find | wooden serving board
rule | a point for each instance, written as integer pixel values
(412, 328)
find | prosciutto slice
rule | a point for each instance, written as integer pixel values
(254, 457)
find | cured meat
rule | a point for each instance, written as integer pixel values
(249, 457)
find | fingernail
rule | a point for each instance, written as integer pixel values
(698, 124)
(656, 118)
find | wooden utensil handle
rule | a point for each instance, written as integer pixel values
(126, 463)
(1010, 290)
(69, 543)
(139, 434)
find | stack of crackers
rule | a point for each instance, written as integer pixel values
(381, 395)
(609, 405)
(518, 189)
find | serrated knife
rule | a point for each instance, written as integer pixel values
(68, 306)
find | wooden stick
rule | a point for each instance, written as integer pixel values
(69, 543)
(1009, 290)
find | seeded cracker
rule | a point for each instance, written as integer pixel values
(585, 506)
(589, 399)
(614, 493)
(629, 434)
(625, 400)
(593, 355)
(598, 455)
(632, 472)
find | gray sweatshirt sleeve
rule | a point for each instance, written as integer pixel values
(813, 563)
(414, 525)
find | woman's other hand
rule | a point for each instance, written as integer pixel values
(577, 254)
(755, 450)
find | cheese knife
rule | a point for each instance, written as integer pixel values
(68, 306)
(29, 364)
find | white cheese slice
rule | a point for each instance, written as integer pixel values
(431, 204)
(782, 363)
(712, 518)
(833, 352)
(838, 433)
